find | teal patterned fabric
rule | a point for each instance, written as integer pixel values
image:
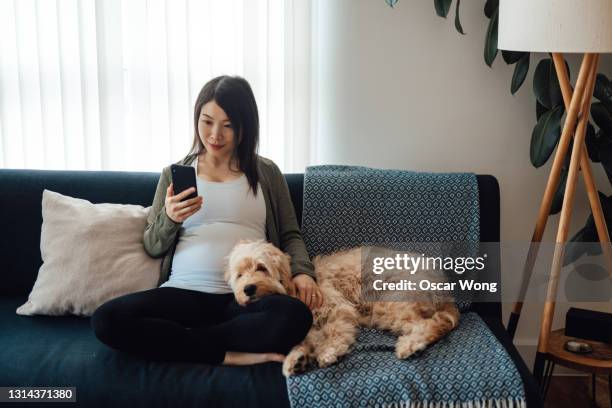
(434, 213)
(346, 206)
(467, 368)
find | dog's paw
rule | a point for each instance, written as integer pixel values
(327, 357)
(408, 347)
(295, 363)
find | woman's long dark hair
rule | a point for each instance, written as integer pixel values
(234, 95)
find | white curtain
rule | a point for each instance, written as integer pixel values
(111, 84)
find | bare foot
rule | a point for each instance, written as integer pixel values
(242, 358)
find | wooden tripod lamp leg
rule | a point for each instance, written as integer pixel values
(549, 192)
(585, 165)
(566, 211)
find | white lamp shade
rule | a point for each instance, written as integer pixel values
(563, 26)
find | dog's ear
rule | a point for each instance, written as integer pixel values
(227, 273)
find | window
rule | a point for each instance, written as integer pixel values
(111, 84)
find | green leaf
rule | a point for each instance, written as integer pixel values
(490, 7)
(588, 233)
(605, 155)
(520, 73)
(603, 90)
(546, 85)
(606, 207)
(490, 51)
(391, 3)
(592, 142)
(545, 136)
(574, 249)
(540, 110)
(442, 7)
(457, 22)
(511, 57)
(602, 117)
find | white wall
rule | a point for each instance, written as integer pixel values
(400, 88)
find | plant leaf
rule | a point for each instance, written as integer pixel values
(606, 207)
(603, 90)
(546, 85)
(602, 117)
(589, 232)
(540, 83)
(540, 110)
(556, 96)
(442, 7)
(573, 249)
(391, 3)
(605, 156)
(511, 57)
(520, 73)
(457, 22)
(545, 136)
(592, 143)
(490, 51)
(490, 7)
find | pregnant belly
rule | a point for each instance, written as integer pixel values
(204, 248)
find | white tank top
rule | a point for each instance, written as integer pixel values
(229, 212)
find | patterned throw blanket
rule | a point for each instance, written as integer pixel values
(346, 206)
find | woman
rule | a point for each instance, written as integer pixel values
(192, 315)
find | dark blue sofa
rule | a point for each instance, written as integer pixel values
(63, 351)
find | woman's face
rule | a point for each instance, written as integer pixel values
(215, 130)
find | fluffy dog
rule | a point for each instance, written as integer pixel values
(257, 268)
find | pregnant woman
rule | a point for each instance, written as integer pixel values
(192, 315)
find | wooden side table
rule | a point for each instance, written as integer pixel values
(599, 361)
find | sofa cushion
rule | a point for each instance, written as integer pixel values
(92, 253)
(63, 351)
(21, 215)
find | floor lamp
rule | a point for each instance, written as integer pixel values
(557, 27)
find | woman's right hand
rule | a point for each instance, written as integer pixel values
(177, 210)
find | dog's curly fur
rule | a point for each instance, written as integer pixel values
(416, 323)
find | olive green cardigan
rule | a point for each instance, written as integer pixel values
(161, 233)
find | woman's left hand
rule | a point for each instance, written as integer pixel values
(308, 291)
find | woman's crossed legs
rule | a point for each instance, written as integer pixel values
(174, 324)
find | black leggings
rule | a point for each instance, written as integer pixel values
(173, 324)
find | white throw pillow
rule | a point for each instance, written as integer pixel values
(91, 253)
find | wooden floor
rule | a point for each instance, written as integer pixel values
(575, 392)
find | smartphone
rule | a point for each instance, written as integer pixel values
(184, 177)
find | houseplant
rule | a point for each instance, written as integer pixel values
(550, 110)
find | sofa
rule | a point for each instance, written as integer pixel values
(63, 351)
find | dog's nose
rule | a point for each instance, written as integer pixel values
(249, 290)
